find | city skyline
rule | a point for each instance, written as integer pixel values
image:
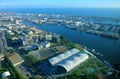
(60, 4)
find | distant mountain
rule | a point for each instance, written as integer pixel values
(3, 42)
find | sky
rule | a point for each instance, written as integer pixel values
(60, 3)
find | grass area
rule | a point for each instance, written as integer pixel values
(2, 70)
(91, 68)
(8, 65)
(53, 44)
(66, 42)
(69, 44)
(78, 46)
(32, 59)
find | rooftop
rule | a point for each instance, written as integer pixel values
(69, 59)
(15, 58)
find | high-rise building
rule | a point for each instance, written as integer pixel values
(3, 42)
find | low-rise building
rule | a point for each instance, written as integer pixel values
(15, 58)
(31, 47)
(5, 74)
(15, 42)
(45, 44)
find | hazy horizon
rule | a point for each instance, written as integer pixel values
(60, 4)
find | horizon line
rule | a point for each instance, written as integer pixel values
(59, 7)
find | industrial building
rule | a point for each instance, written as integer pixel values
(65, 62)
(15, 58)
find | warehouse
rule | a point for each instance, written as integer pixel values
(68, 60)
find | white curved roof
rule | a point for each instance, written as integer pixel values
(5, 74)
(63, 56)
(69, 59)
(73, 61)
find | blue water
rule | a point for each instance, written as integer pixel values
(109, 48)
(104, 12)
